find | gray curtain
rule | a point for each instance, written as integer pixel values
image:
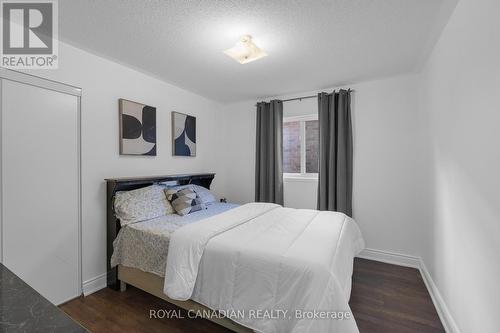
(335, 152)
(269, 153)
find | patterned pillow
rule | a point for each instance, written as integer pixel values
(142, 204)
(184, 200)
(203, 193)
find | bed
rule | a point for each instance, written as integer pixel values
(283, 269)
(144, 245)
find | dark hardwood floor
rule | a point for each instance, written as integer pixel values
(388, 298)
(385, 298)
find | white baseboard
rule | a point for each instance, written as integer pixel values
(444, 314)
(450, 326)
(92, 285)
(390, 258)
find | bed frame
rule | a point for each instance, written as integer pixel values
(118, 277)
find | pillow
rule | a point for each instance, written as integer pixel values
(184, 200)
(203, 193)
(142, 204)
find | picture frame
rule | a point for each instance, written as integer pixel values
(183, 134)
(137, 128)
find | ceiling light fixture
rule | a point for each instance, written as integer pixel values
(245, 51)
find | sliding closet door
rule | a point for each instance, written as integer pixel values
(40, 188)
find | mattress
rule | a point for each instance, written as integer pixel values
(144, 245)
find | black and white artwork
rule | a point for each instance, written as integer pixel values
(137, 128)
(183, 134)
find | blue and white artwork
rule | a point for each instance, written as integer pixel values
(137, 128)
(183, 134)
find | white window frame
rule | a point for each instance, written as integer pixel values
(303, 175)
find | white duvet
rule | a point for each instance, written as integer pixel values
(275, 269)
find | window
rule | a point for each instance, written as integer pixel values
(291, 146)
(300, 146)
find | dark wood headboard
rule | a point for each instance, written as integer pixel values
(132, 183)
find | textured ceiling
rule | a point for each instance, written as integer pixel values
(311, 44)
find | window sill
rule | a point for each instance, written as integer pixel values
(300, 178)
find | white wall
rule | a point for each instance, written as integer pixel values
(300, 107)
(461, 84)
(388, 194)
(103, 83)
(388, 156)
(237, 161)
(300, 193)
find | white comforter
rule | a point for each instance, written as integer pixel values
(290, 264)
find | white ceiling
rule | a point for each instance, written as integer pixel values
(311, 44)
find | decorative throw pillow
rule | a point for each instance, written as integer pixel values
(184, 200)
(203, 193)
(142, 204)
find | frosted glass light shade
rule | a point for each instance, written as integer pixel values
(245, 51)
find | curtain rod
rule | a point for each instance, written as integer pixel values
(304, 97)
(299, 98)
